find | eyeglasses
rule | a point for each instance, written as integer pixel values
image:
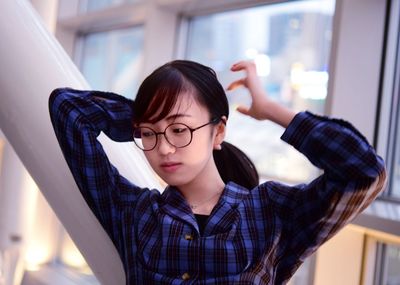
(177, 134)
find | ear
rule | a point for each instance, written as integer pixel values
(220, 133)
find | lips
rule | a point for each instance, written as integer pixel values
(170, 166)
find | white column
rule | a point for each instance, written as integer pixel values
(339, 261)
(158, 19)
(356, 56)
(42, 244)
(35, 64)
(28, 226)
(18, 194)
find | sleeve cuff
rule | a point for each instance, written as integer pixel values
(304, 122)
(301, 125)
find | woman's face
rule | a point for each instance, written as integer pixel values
(181, 166)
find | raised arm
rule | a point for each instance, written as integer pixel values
(78, 117)
(262, 107)
(353, 174)
(331, 144)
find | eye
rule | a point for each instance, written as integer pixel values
(147, 133)
(179, 129)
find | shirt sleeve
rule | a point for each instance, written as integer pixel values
(78, 117)
(353, 176)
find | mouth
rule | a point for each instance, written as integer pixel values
(170, 166)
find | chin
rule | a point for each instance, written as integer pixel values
(174, 180)
(179, 177)
(169, 179)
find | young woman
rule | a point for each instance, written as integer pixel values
(213, 224)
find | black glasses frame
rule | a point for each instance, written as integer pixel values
(192, 130)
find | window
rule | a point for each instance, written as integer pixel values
(394, 188)
(393, 156)
(388, 266)
(393, 265)
(290, 43)
(389, 129)
(388, 254)
(94, 5)
(112, 60)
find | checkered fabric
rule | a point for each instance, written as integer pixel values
(253, 236)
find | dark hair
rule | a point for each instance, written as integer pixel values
(234, 165)
(162, 88)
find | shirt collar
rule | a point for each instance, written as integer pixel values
(234, 194)
(176, 206)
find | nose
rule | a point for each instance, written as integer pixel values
(164, 147)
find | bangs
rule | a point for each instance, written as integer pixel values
(158, 95)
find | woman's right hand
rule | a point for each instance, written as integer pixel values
(262, 107)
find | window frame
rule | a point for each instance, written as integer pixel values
(181, 52)
(384, 213)
(81, 35)
(387, 135)
(389, 111)
(205, 10)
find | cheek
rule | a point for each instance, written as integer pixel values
(194, 155)
(200, 148)
(196, 158)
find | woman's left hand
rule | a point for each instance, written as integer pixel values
(260, 99)
(262, 107)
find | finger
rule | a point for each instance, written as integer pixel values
(243, 65)
(235, 84)
(238, 66)
(244, 110)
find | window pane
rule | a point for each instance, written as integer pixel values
(387, 265)
(391, 106)
(393, 265)
(290, 43)
(93, 5)
(112, 60)
(395, 175)
(393, 157)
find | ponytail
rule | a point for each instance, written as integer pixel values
(234, 165)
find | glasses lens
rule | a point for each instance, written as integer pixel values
(145, 138)
(178, 135)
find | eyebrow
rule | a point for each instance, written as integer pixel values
(175, 116)
(172, 117)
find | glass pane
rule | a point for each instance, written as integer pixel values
(93, 5)
(112, 60)
(290, 43)
(389, 131)
(393, 265)
(395, 175)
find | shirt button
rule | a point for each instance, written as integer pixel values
(185, 276)
(188, 237)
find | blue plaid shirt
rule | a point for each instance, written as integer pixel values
(251, 237)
